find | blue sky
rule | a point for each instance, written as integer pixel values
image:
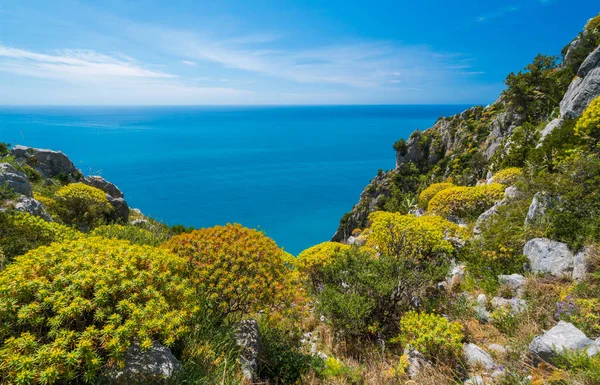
(115, 52)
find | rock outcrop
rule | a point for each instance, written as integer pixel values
(584, 89)
(47, 162)
(104, 185)
(477, 357)
(562, 337)
(248, 339)
(516, 282)
(550, 127)
(509, 194)
(551, 257)
(155, 365)
(120, 209)
(537, 209)
(14, 179)
(33, 207)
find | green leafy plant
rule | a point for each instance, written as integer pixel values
(82, 206)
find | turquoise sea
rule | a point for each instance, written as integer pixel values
(292, 171)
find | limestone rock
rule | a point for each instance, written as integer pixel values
(562, 337)
(580, 265)
(572, 46)
(416, 362)
(510, 194)
(247, 337)
(49, 163)
(537, 209)
(477, 357)
(155, 365)
(584, 89)
(502, 126)
(590, 62)
(33, 207)
(550, 257)
(498, 349)
(516, 282)
(104, 185)
(517, 305)
(481, 312)
(550, 127)
(120, 209)
(14, 179)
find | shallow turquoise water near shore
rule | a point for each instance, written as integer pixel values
(292, 171)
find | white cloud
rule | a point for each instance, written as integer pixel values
(104, 79)
(188, 62)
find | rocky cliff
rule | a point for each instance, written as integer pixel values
(467, 146)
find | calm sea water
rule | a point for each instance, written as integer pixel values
(292, 171)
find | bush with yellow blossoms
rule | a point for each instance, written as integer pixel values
(133, 234)
(466, 202)
(21, 232)
(318, 255)
(82, 206)
(508, 176)
(588, 125)
(432, 335)
(71, 309)
(430, 192)
(420, 238)
(238, 269)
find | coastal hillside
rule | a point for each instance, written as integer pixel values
(476, 260)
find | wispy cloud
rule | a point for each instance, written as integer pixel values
(188, 62)
(72, 64)
(500, 12)
(359, 64)
(118, 77)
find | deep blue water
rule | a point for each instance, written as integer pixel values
(292, 171)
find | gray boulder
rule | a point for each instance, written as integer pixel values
(416, 362)
(517, 305)
(569, 53)
(47, 162)
(120, 209)
(550, 127)
(481, 312)
(516, 282)
(549, 257)
(561, 338)
(590, 62)
(477, 357)
(33, 207)
(155, 365)
(498, 349)
(248, 339)
(537, 209)
(14, 179)
(502, 126)
(580, 265)
(584, 89)
(510, 194)
(104, 185)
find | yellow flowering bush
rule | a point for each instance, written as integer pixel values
(588, 124)
(237, 268)
(430, 192)
(83, 206)
(21, 232)
(431, 334)
(318, 256)
(508, 176)
(415, 237)
(133, 234)
(466, 201)
(71, 308)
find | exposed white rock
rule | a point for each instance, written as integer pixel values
(416, 362)
(584, 89)
(562, 337)
(550, 127)
(549, 257)
(517, 305)
(247, 337)
(516, 282)
(14, 179)
(537, 209)
(33, 207)
(155, 365)
(104, 185)
(477, 357)
(49, 163)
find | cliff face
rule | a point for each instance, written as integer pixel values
(466, 146)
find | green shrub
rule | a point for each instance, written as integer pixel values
(430, 192)
(133, 234)
(21, 232)
(82, 206)
(6, 192)
(432, 335)
(364, 296)
(466, 202)
(71, 308)
(588, 125)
